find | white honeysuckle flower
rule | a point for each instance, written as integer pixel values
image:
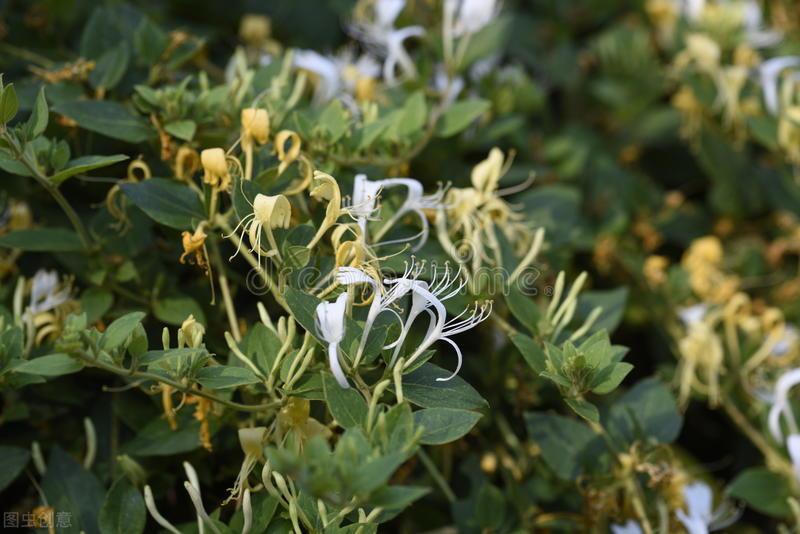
(428, 297)
(781, 405)
(329, 84)
(693, 314)
(364, 203)
(338, 75)
(330, 317)
(700, 516)
(755, 33)
(382, 300)
(788, 340)
(384, 40)
(416, 202)
(448, 87)
(471, 16)
(770, 73)
(150, 503)
(45, 292)
(630, 527)
(194, 480)
(793, 446)
(692, 9)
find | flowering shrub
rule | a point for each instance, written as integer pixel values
(388, 265)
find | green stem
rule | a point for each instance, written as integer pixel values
(45, 182)
(176, 385)
(437, 477)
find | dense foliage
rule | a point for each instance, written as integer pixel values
(389, 265)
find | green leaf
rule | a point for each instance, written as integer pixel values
(9, 103)
(531, 351)
(397, 497)
(564, 442)
(42, 240)
(119, 331)
(175, 310)
(158, 439)
(584, 408)
(95, 302)
(490, 510)
(37, 123)
(149, 42)
(72, 489)
(85, 164)
(110, 68)
(50, 365)
(123, 511)
(415, 112)
(304, 307)
(460, 115)
(347, 406)
(443, 425)
(647, 411)
(421, 388)
(763, 490)
(225, 377)
(523, 308)
(111, 119)
(170, 203)
(613, 303)
(612, 377)
(12, 461)
(181, 129)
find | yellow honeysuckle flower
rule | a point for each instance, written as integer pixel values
(194, 245)
(215, 167)
(326, 188)
(269, 212)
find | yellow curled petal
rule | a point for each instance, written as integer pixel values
(287, 157)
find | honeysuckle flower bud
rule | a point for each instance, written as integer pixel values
(47, 292)
(150, 503)
(247, 512)
(255, 29)
(215, 167)
(700, 516)
(630, 527)
(192, 332)
(330, 324)
(416, 202)
(769, 74)
(255, 127)
(251, 441)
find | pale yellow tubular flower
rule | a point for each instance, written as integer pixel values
(215, 167)
(701, 354)
(251, 440)
(287, 156)
(326, 188)
(269, 212)
(255, 130)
